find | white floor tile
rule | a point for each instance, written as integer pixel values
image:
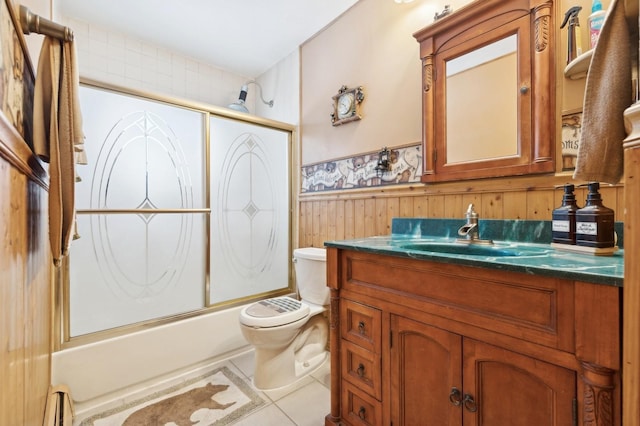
(271, 415)
(323, 374)
(279, 393)
(307, 406)
(245, 363)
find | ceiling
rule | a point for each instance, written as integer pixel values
(246, 37)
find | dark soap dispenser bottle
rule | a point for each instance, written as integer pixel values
(594, 222)
(563, 225)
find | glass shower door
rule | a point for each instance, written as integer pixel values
(173, 219)
(250, 209)
(141, 251)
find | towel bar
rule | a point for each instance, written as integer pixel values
(31, 22)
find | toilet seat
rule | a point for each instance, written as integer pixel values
(274, 312)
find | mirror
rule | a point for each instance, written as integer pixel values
(495, 65)
(493, 112)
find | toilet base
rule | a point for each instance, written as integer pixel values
(276, 368)
(302, 370)
(306, 368)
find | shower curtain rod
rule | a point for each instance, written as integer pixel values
(34, 23)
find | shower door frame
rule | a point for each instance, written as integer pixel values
(61, 279)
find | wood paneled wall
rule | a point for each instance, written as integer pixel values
(631, 294)
(354, 214)
(25, 283)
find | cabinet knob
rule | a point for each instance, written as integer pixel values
(470, 403)
(360, 370)
(361, 327)
(455, 397)
(362, 413)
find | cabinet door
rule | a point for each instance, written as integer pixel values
(512, 389)
(425, 368)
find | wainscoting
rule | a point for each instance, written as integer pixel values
(348, 214)
(25, 277)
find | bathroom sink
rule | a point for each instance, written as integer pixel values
(489, 250)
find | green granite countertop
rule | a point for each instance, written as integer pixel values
(523, 236)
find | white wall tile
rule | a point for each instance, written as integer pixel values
(114, 58)
(133, 45)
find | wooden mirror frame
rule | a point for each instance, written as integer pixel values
(473, 26)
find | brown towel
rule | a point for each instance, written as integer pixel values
(607, 94)
(58, 136)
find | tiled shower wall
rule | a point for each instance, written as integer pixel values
(113, 58)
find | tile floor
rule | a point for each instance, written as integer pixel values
(305, 403)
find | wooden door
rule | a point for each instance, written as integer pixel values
(425, 368)
(507, 388)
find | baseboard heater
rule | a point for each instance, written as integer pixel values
(59, 410)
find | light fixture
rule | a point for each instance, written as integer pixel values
(239, 104)
(402, 1)
(383, 165)
(446, 11)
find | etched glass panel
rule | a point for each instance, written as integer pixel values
(129, 268)
(250, 209)
(141, 254)
(141, 154)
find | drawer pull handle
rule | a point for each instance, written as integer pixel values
(455, 397)
(362, 413)
(361, 327)
(360, 370)
(469, 403)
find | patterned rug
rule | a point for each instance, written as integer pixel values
(218, 397)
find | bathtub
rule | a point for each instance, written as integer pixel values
(101, 372)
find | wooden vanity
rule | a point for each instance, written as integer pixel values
(418, 342)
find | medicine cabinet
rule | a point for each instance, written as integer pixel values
(488, 91)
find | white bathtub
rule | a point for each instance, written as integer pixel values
(101, 372)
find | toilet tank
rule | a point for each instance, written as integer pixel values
(310, 265)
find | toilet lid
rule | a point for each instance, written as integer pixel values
(274, 312)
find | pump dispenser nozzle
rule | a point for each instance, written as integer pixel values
(574, 45)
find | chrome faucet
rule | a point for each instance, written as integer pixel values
(470, 230)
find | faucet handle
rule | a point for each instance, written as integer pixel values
(471, 213)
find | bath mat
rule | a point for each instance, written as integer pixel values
(218, 397)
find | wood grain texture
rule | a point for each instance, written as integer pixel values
(25, 283)
(631, 295)
(549, 340)
(358, 214)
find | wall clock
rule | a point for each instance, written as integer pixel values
(346, 105)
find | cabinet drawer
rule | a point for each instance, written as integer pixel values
(361, 324)
(362, 368)
(530, 307)
(358, 408)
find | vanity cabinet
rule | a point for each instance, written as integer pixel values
(420, 342)
(360, 365)
(452, 380)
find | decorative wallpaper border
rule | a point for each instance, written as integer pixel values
(359, 171)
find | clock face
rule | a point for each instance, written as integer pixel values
(345, 105)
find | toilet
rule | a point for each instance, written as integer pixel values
(289, 335)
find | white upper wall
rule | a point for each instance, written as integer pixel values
(282, 84)
(371, 45)
(113, 58)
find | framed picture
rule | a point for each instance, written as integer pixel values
(571, 131)
(346, 105)
(16, 73)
